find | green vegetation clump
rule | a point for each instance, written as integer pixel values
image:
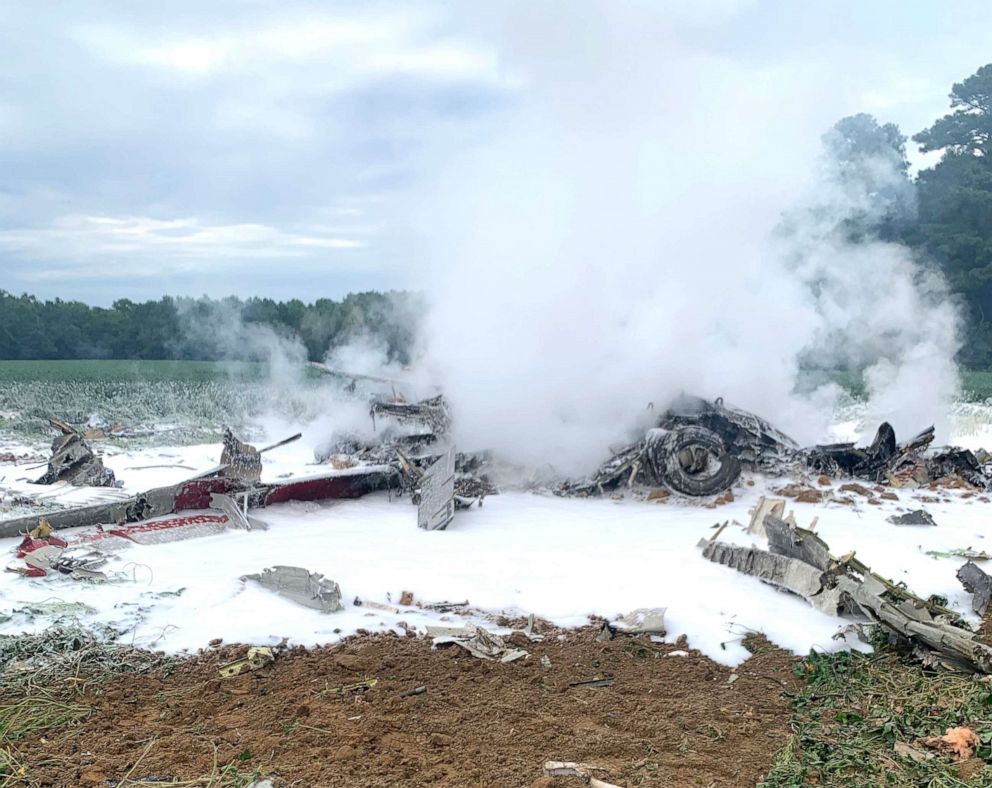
(856, 708)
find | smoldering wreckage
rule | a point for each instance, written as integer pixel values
(696, 448)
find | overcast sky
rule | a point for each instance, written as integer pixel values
(288, 149)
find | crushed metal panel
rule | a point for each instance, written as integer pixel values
(482, 644)
(238, 516)
(978, 583)
(257, 657)
(954, 645)
(849, 585)
(44, 558)
(792, 542)
(74, 461)
(156, 531)
(789, 574)
(762, 509)
(642, 621)
(310, 589)
(243, 460)
(437, 494)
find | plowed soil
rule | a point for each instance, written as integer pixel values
(666, 720)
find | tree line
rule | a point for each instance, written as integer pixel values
(204, 329)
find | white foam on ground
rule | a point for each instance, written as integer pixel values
(561, 559)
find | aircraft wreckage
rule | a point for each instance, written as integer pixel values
(700, 448)
(236, 479)
(696, 448)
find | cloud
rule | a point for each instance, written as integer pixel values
(237, 117)
(150, 247)
(351, 48)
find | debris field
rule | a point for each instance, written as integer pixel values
(413, 557)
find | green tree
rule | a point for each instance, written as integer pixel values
(969, 128)
(857, 139)
(954, 227)
(202, 328)
(866, 162)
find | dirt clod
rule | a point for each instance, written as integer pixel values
(800, 493)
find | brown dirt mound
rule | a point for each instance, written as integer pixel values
(665, 720)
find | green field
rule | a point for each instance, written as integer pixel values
(976, 385)
(131, 370)
(180, 401)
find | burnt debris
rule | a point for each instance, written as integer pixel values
(799, 562)
(241, 460)
(901, 464)
(413, 439)
(751, 440)
(698, 448)
(73, 460)
(872, 463)
(431, 413)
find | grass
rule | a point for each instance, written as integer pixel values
(61, 662)
(11, 769)
(178, 401)
(233, 775)
(227, 777)
(34, 717)
(58, 665)
(27, 718)
(110, 369)
(976, 385)
(35, 714)
(68, 654)
(855, 707)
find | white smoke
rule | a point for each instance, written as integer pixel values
(216, 329)
(364, 355)
(876, 308)
(611, 246)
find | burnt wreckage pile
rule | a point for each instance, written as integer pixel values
(415, 440)
(696, 447)
(885, 461)
(699, 448)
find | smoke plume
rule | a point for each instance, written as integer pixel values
(613, 244)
